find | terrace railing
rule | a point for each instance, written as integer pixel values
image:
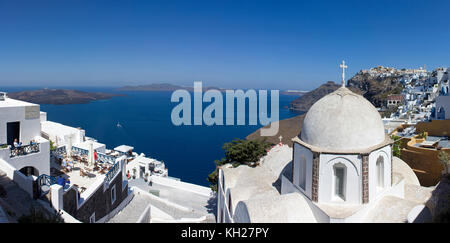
(24, 150)
(112, 172)
(106, 158)
(60, 151)
(80, 151)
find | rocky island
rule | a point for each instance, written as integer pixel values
(60, 96)
(161, 87)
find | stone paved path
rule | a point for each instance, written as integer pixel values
(17, 202)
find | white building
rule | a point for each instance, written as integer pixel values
(442, 107)
(59, 133)
(341, 169)
(142, 166)
(20, 121)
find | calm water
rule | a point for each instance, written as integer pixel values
(188, 151)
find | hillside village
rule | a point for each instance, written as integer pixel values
(413, 104)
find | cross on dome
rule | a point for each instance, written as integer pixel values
(343, 66)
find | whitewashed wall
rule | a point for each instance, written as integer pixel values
(24, 182)
(385, 152)
(288, 187)
(300, 151)
(205, 191)
(29, 128)
(353, 177)
(40, 160)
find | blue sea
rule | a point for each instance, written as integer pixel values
(188, 151)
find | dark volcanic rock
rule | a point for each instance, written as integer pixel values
(288, 128)
(60, 96)
(304, 102)
(375, 89)
(151, 87)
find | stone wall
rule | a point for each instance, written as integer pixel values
(99, 202)
(424, 162)
(365, 179)
(434, 128)
(315, 177)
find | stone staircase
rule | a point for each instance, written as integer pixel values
(132, 212)
(17, 202)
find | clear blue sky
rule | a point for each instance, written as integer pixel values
(231, 44)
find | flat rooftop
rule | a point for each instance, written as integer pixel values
(85, 145)
(123, 148)
(82, 180)
(8, 102)
(49, 126)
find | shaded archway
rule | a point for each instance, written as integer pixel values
(29, 171)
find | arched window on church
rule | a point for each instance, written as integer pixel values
(380, 172)
(223, 182)
(229, 203)
(339, 181)
(302, 172)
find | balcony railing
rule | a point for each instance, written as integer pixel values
(104, 158)
(59, 151)
(112, 172)
(79, 151)
(24, 150)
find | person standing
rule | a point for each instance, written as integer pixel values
(95, 155)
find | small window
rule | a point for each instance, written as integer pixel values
(339, 181)
(302, 172)
(223, 182)
(380, 172)
(113, 194)
(229, 203)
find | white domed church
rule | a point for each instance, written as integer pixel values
(342, 154)
(340, 169)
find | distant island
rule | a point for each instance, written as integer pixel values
(60, 96)
(172, 87)
(162, 87)
(293, 92)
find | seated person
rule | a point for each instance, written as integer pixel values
(16, 144)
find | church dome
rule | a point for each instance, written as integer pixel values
(343, 120)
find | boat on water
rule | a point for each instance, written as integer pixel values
(118, 124)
